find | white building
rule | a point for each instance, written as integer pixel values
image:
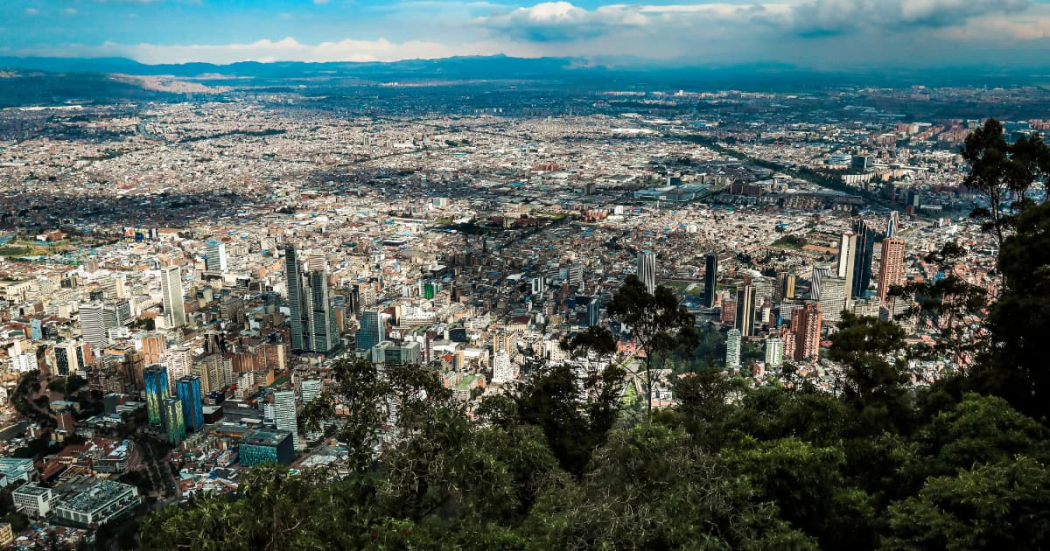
(284, 414)
(774, 352)
(502, 370)
(171, 295)
(34, 501)
(733, 348)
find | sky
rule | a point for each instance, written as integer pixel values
(819, 34)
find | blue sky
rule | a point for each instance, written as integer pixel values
(813, 33)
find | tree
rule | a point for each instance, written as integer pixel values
(1002, 171)
(1020, 320)
(1000, 506)
(657, 322)
(951, 305)
(870, 350)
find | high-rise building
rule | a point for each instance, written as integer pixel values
(785, 288)
(891, 269)
(774, 352)
(179, 362)
(862, 258)
(745, 308)
(284, 414)
(266, 446)
(502, 371)
(323, 338)
(733, 348)
(312, 319)
(834, 298)
(891, 225)
(93, 325)
(820, 273)
(71, 357)
(310, 389)
(156, 378)
(188, 390)
(296, 300)
(647, 270)
(171, 291)
(847, 262)
(593, 312)
(371, 332)
(710, 280)
(174, 422)
(806, 324)
(216, 259)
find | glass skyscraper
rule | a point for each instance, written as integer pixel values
(371, 332)
(174, 423)
(156, 379)
(188, 390)
(296, 299)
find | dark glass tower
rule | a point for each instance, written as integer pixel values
(711, 280)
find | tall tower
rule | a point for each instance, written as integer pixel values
(371, 332)
(710, 280)
(171, 292)
(745, 308)
(323, 336)
(188, 390)
(647, 270)
(93, 325)
(785, 288)
(174, 421)
(733, 348)
(805, 324)
(847, 262)
(891, 270)
(774, 352)
(284, 415)
(820, 275)
(891, 225)
(862, 258)
(156, 378)
(216, 259)
(296, 300)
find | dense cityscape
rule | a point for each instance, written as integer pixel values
(188, 274)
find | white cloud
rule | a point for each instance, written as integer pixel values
(70, 11)
(32, 11)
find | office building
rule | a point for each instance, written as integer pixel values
(215, 261)
(593, 312)
(710, 280)
(93, 325)
(806, 325)
(834, 299)
(647, 270)
(298, 318)
(820, 273)
(174, 420)
(774, 352)
(171, 294)
(785, 289)
(310, 389)
(284, 414)
(502, 370)
(188, 390)
(733, 342)
(862, 258)
(92, 502)
(891, 225)
(33, 501)
(745, 308)
(389, 353)
(323, 337)
(847, 263)
(156, 379)
(266, 446)
(72, 357)
(891, 268)
(371, 332)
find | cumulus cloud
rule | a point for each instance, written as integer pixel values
(562, 22)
